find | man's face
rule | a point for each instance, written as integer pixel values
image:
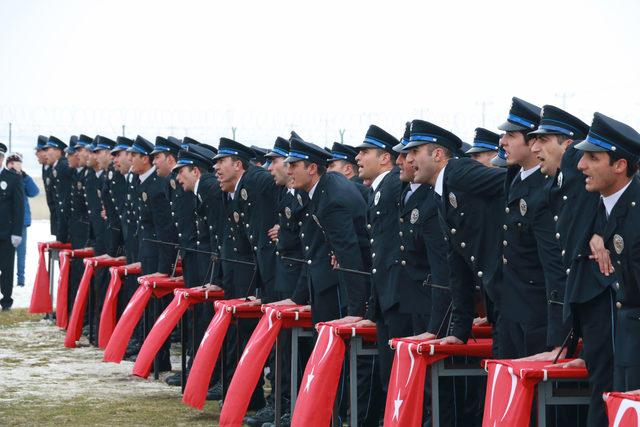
(164, 163)
(92, 159)
(187, 177)
(278, 169)
(53, 154)
(73, 160)
(407, 173)
(228, 171)
(549, 152)
(370, 162)
(83, 156)
(138, 163)
(516, 147)
(600, 176)
(299, 175)
(424, 164)
(103, 159)
(484, 157)
(122, 161)
(41, 156)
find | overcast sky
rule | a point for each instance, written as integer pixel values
(201, 67)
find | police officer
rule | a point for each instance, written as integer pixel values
(531, 253)
(12, 209)
(60, 186)
(343, 160)
(610, 164)
(240, 279)
(485, 146)
(154, 223)
(113, 200)
(469, 198)
(585, 300)
(41, 156)
(333, 233)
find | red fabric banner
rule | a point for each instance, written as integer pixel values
(195, 391)
(319, 386)
(623, 409)
(62, 311)
(74, 328)
(41, 297)
(405, 397)
(117, 345)
(511, 386)
(159, 334)
(250, 367)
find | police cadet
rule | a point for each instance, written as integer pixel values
(12, 211)
(376, 162)
(239, 279)
(60, 186)
(343, 160)
(78, 216)
(610, 164)
(43, 160)
(530, 317)
(333, 233)
(585, 300)
(469, 198)
(485, 146)
(113, 201)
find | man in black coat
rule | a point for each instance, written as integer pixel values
(43, 160)
(12, 211)
(60, 186)
(343, 160)
(584, 299)
(610, 164)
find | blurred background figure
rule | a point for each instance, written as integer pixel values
(14, 162)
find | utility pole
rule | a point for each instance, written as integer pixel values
(342, 131)
(564, 96)
(123, 128)
(10, 150)
(483, 105)
(233, 131)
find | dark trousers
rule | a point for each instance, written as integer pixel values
(7, 257)
(594, 321)
(519, 339)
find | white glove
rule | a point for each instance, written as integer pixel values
(16, 240)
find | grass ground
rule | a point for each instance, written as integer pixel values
(42, 383)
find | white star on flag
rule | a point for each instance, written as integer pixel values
(310, 378)
(396, 407)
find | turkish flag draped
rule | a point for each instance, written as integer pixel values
(108, 314)
(195, 391)
(319, 386)
(62, 312)
(508, 399)
(117, 345)
(74, 328)
(250, 368)
(623, 409)
(41, 297)
(159, 334)
(405, 397)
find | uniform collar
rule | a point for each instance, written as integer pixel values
(414, 186)
(313, 190)
(99, 173)
(233, 194)
(524, 174)
(610, 201)
(147, 174)
(195, 187)
(376, 182)
(439, 187)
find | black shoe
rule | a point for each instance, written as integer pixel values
(174, 380)
(85, 330)
(215, 392)
(21, 285)
(264, 415)
(285, 421)
(6, 308)
(132, 350)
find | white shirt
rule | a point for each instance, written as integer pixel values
(232, 195)
(313, 190)
(376, 182)
(610, 201)
(46, 167)
(439, 187)
(99, 173)
(147, 174)
(80, 169)
(195, 187)
(524, 174)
